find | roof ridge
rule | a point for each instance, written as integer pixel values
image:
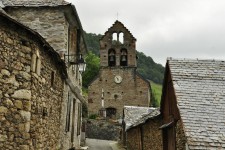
(27, 3)
(192, 59)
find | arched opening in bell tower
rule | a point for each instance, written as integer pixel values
(123, 57)
(121, 37)
(112, 57)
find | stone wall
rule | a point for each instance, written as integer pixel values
(46, 96)
(180, 136)
(152, 134)
(59, 27)
(132, 91)
(67, 135)
(101, 129)
(134, 139)
(147, 136)
(49, 22)
(30, 101)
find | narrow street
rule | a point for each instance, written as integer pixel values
(95, 144)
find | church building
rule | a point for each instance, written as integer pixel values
(118, 83)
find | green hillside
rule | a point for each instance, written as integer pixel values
(156, 93)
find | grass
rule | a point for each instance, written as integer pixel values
(157, 92)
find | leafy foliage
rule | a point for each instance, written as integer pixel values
(93, 64)
(149, 69)
(92, 41)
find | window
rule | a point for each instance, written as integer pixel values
(114, 37)
(36, 63)
(111, 112)
(52, 78)
(90, 100)
(121, 38)
(67, 129)
(79, 119)
(73, 121)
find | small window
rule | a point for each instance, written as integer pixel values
(38, 66)
(90, 100)
(79, 119)
(114, 37)
(111, 112)
(52, 78)
(36, 63)
(33, 62)
(121, 38)
(67, 129)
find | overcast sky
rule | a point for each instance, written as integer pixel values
(163, 28)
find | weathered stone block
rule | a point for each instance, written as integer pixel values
(26, 135)
(8, 103)
(11, 80)
(27, 127)
(11, 129)
(9, 40)
(27, 105)
(3, 109)
(2, 118)
(25, 114)
(25, 75)
(21, 127)
(18, 104)
(2, 64)
(22, 94)
(3, 138)
(5, 72)
(24, 147)
(26, 49)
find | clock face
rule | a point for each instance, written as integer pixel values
(118, 79)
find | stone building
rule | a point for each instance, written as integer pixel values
(57, 21)
(141, 128)
(118, 83)
(193, 104)
(31, 88)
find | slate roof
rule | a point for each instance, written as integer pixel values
(134, 115)
(200, 91)
(34, 3)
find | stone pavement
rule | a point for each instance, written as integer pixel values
(95, 144)
(115, 146)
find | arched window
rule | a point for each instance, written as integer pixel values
(123, 57)
(112, 57)
(121, 37)
(114, 38)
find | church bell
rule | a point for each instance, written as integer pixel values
(111, 58)
(123, 58)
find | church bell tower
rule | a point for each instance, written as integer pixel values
(117, 47)
(118, 83)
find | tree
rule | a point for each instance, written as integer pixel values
(93, 63)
